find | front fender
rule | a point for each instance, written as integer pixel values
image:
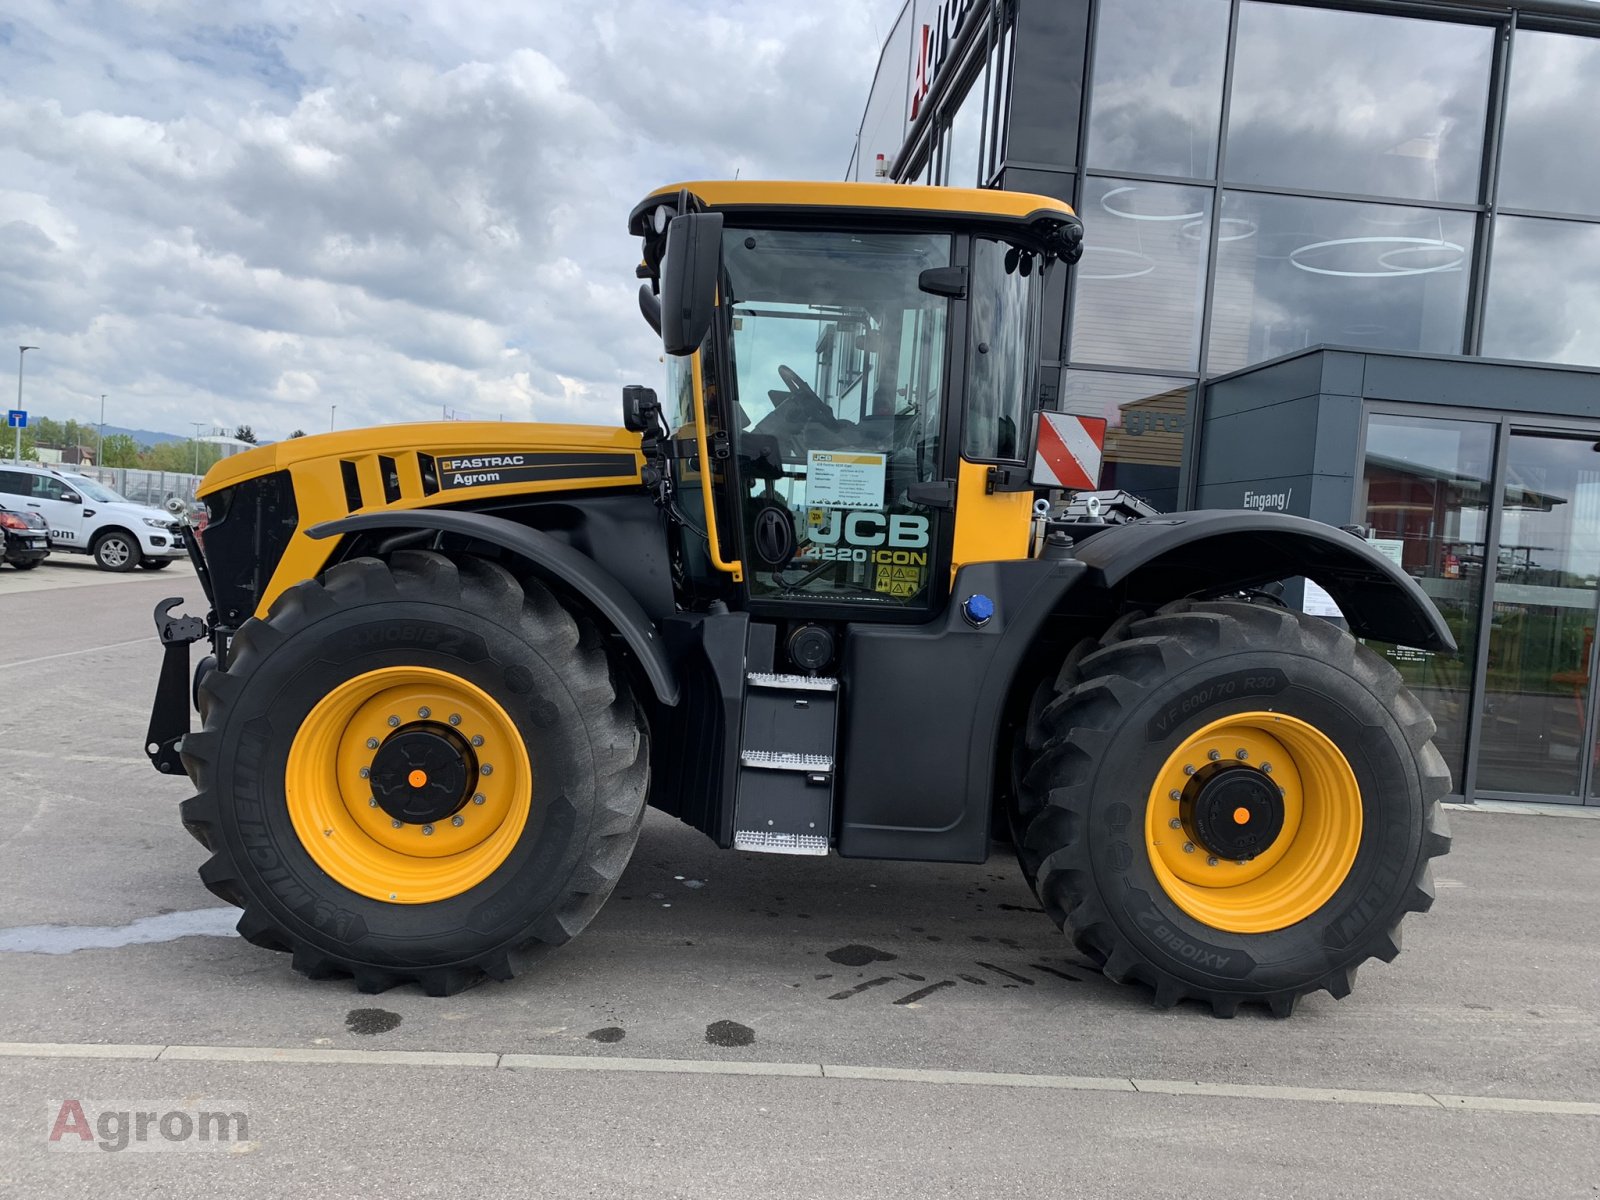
(1212, 551)
(549, 556)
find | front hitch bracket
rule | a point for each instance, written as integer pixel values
(169, 714)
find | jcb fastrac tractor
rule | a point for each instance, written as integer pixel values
(809, 600)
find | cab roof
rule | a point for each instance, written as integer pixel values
(980, 206)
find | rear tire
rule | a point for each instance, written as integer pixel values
(525, 657)
(29, 565)
(115, 550)
(1108, 749)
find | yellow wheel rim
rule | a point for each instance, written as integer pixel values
(1311, 831)
(357, 841)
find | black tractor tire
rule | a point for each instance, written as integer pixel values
(115, 550)
(155, 564)
(1098, 735)
(28, 564)
(549, 670)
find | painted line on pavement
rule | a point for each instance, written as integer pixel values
(28, 662)
(299, 1055)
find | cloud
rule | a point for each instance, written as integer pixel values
(248, 213)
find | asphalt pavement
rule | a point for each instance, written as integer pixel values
(734, 1025)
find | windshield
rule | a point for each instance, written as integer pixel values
(95, 491)
(837, 359)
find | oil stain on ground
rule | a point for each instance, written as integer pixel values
(729, 1033)
(368, 1021)
(859, 956)
(611, 1033)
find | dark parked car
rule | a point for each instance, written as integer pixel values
(24, 539)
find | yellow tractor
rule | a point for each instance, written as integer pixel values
(826, 594)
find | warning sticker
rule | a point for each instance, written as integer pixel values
(897, 581)
(844, 479)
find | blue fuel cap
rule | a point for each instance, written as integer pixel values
(977, 609)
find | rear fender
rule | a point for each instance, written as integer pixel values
(1212, 552)
(548, 556)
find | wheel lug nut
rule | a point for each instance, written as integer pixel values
(1211, 862)
(477, 739)
(395, 823)
(424, 712)
(427, 831)
(486, 769)
(372, 743)
(1174, 794)
(458, 820)
(393, 721)
(1213, 755)
(1241, 754)
(1175, 823)
(455, 718)
(1266, 768)
(1188, 768)
(366, 772)
(372, 802)
(479, 798)
(1188, 847)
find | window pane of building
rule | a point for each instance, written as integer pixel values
(1544, 291)
(1535, 724)
(1156, 101)
(1550, 111)
(1147, 420)
(1425, 492)
(1141, 282)
(962, 145)
(1294, 272)
(1357, 102)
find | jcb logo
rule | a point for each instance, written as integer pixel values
(866, 528)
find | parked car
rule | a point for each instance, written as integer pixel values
(24, 539)
(86, 517)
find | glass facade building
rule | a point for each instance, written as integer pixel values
(1262, 178)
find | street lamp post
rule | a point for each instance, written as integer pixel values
(332, 409)
(198, 425)
(100, 451)
(21, 352)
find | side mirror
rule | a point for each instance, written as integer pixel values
(689, 273)
(71, 498)
(641, 410)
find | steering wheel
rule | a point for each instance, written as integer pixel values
(798, 387)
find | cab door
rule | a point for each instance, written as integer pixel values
(835, 360)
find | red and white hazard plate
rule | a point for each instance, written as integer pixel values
(1069, 451)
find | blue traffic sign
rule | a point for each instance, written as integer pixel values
(16, 418)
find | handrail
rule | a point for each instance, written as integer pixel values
(733, 567)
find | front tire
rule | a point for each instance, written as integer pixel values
(416, 771)
(1231, 802)
(115, 550)
(155, 564)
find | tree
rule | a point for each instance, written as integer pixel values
(245, 434)
(120, 450)
(179, 456)
(297, 433)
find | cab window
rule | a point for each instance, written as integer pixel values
(1000, 370)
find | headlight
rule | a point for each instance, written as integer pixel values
(157, 523)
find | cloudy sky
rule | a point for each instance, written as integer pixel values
(248, 212)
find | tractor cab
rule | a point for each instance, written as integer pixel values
(852, 376)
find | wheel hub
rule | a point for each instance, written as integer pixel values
(423, 774)
(1231, 810)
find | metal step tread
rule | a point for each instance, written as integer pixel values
(797, 683)
(774, 760)
(765, 841)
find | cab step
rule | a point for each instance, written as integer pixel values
(784, 803)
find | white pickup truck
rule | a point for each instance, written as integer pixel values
(88, 517)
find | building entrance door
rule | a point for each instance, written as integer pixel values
(1538, 737)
